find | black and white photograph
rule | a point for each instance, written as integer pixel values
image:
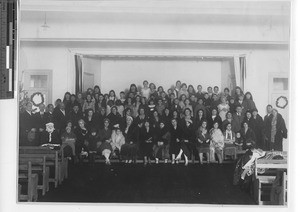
(144, 102)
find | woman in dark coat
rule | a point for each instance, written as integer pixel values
(166, 118)
(81, 133)
(199, 118)
(67, 102)
(93, 141)
(248, 102)
(141, 118)
(258, 128)
(275, 131)
(187, 141)
(214, 117)
(162, 143)
(105, 147)
(176, 136)
(114, 117)
(155, 120)
(146, 141)
(247, 133)
(203, 141)
(90, 120)
(130, 148)
(228, 120)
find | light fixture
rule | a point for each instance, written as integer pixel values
(45, 26)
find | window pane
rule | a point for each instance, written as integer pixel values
(281, 84)
(38, 81)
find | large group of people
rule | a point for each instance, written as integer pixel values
(153, 123)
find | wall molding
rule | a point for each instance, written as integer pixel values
(99, 40)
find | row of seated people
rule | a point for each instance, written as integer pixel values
(164, 141)
(33, 125)
(187, 125)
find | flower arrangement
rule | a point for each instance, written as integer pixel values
(23, 97)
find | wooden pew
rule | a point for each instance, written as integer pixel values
(26, 175)
(38, 165)
(261, 180)
(51, 161)
(19, 192)
(61, 163)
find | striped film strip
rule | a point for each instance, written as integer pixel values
(8, 44)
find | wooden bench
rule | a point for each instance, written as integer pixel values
(38, 165)
(31, 179)
(230, 150)
(262, 180)
(56, 156)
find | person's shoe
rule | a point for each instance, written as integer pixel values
(173, 161)
(177, 161)
(130, 161)
(156, 160)
(186, 163)
(166, 161)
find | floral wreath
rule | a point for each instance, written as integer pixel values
(282, 102)
(37, 99)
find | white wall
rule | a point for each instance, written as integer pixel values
(156, 26)
(261, 62)
(119, 74)
(55, 58)
(263, 36)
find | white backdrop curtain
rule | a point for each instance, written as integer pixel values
(240, 71)
(78, 70)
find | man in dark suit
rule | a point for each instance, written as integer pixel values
(49, 113)
(237, 119)
(75, 115)
(267, 118)
(269, 112)
(60, 118)
(41, 120)
(28, 130)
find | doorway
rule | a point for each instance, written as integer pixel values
(38, 84)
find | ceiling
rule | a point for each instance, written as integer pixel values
(240, 7)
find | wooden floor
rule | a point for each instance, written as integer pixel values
(134, 183)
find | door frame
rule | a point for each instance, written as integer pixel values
(273, 75)
(47, 72)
